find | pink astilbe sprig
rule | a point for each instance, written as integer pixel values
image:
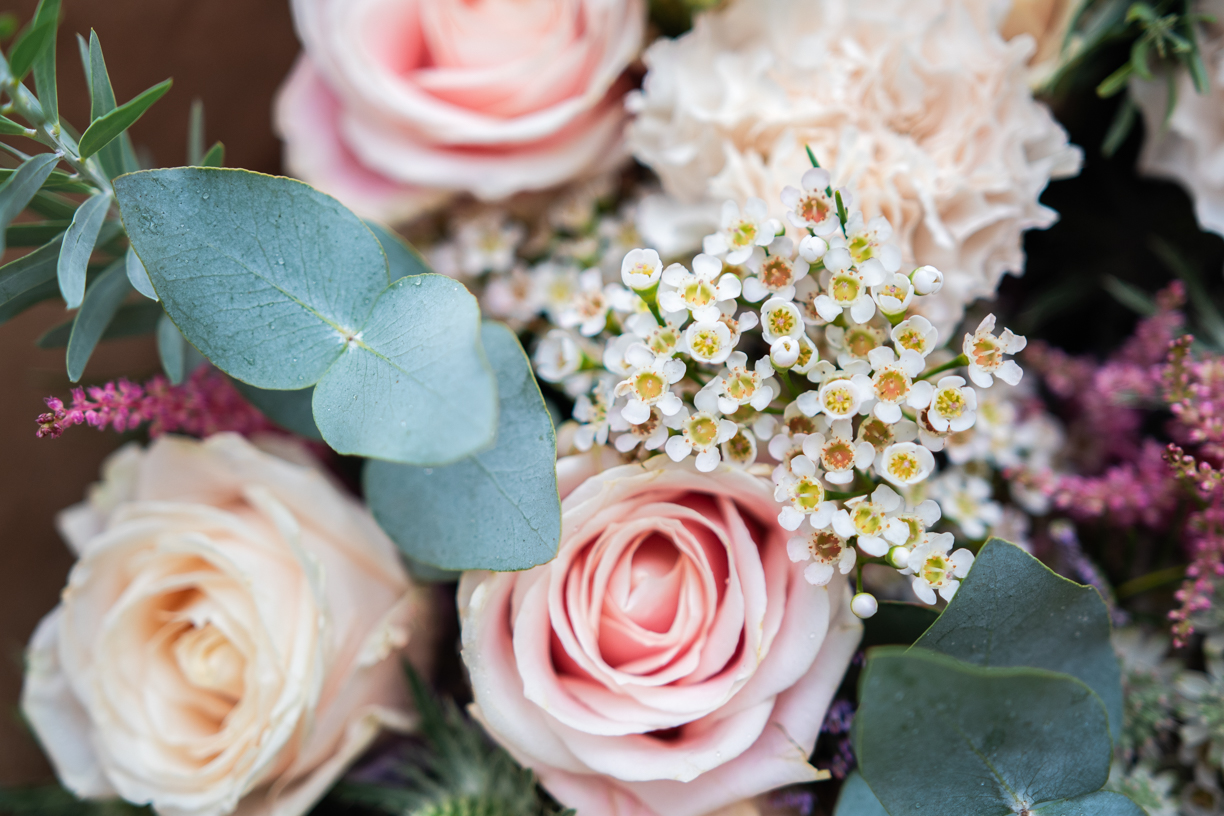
(205, 403)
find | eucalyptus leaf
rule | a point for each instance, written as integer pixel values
(171, 350)
(402, 258)
(498, 509)
(132, 320)
(47, 14)
(1100, 803)
(78, 245)
(20, 187)
(283, 288)
(856, 799)
(1012, 610)
(101, 302)
(289, 409)
(934, 734)
(106, 127)
(138, 276)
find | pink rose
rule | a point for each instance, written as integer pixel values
(395, 104)
(228, 638)
(672, 641)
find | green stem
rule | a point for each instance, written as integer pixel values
(956, 362)
(1153, 580)
(784, 375)
(858, 577)
(837, 495)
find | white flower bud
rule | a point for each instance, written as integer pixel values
(864, 605)
(927, 280)
(641, 269)
(898, 557)
(812, 248)
(784, 352)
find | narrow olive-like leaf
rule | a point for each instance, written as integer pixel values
(21, 186)
(195, 133)
(171, 349)
(83, 52)
(215, 157)
(1100, 803)
(132, 320)
(52, 206)
(430, 512)
(58, 180)
(266, 276)
(289, 409)
(1121, 126)
(117, 157)
(101, 302)
(1115, 82)
(138, 276)
(28, 48)
(413, 385)
(105, 128)
(29, 271)
(19, 303)
(78, 245)
(933, 732)
(1012, 610)
(402, 258)
(10, 128)
(856, 799)
(1129, 295)
(34, 233)
(47, 14)
(1139, 57)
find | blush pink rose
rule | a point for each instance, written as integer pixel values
(395, 104)
(671, 660)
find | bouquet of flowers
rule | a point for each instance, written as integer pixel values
(613, 411)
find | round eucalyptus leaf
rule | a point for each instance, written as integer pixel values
(1101, 803)
(856, 799)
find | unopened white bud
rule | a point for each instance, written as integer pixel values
(812, 248)
(864, 605)
(927, 280)
(784, 352)
(898, 557)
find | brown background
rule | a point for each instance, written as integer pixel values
(230, 53)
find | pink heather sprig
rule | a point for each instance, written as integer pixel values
(1140, 491)
(204, 404)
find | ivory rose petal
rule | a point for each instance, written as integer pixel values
(671, 659)
(396, 104)
(227, 639)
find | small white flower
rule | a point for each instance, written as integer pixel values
(809, 363)
(905, 463)
(702, 432)
(697, 291)
(933, 569)
(985, 353)
(864, 605)
(593, 412)
(649, 386)
(708, 341)
(968, 501)
(806, 291)
(747, 321)
(870, 517)
(663, 341)
(893, 380)
(869, 247)
(738, 234)
(840, 398)
(916, 334)
(784, 352)
(589, 306)
(848, 288)
(776, 273)
(738, 386)
(854, 342)
(812, 248)
(514, 297)
(927, 280)
(880, 434)
(908, 529)
(951, 406)
(556, 284)
(651, 434)
(826, 550)
(557, 356)
(487, 243)
(641, 269)
(812, 207)
(740, 450)
(801, 488)
(780, 318)
(838, 453)
(893, 296)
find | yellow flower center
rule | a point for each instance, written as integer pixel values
(861, 249)
(891, 385)
(739, 447)
(702, 430)
(743, 234)
(860, 341)
(911, 339)
(950, 402)
(845, 288)
(839, 400)
(904, 465)
(781, 322)
(936, 571)
(706, 343)
(741, 385)
(648, 385)
(987, 352)
(663, 340)
(877, 432)
(868, 520)
(698, 293)
(799, 424)
(805, 355)
(807, 493)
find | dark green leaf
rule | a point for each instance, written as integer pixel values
(897, 623)
(933, 734)
(132, 320)
(1101, 803)
(496, 510)
(1139, 57)
(856, 799)
(20, 187)
(55, 801)
(138, 276)
(289, 409)
(101, 302)
(78, 246)
(28, 48)
(215, 157)
(195, 133)
(47, 13)
(34, 233)
(1012, 610)
(402, 258)
(104, 129)
(117, 157)
(10, 128)
(1115, 82)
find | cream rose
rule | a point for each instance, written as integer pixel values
(918, 105)
(672, 660)
(397, 103)
(227, 639)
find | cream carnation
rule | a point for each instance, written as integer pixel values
(918, 105)
(672, 659)
(1189, 147)
(227, 638)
